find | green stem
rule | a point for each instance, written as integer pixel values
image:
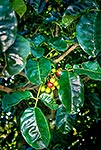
(37, 98)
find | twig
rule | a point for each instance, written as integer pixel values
(66, 53)
(6, 89)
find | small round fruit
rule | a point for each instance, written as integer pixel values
(42, 88)
(58, 73)
(52, 80)
(56, 83)
(48, 90)
(53, 88)
(53, 70)
(50, 84)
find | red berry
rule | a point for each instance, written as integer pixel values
(58, 73)
(50, 84)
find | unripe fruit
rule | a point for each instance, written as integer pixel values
(50, 84)
(52, 80)
(53, 70)
(42, 88)
(56, 83)
(48, 90)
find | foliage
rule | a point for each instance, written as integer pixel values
(50, 73)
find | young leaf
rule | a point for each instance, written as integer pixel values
(19, 7)
(91, 69)
(37, 70)
(37, 40)
(37, 51)
(48, 101)
(89, 33)
(64, 121)
(34, 128)
(13, 99)
(71, 92)
(16, 56)
(8, 25)
(58, 43)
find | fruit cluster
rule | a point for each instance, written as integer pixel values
(52, 81)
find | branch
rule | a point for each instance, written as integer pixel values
(5, 89)
(9, 90)
(66, 53)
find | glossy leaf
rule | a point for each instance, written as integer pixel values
(16, 56)
(77, 7)
(38, 5)
(37, 70)
(19, 7)
(89, 33)
(58, 44)
(8, 25)
(38, 40)
(71, 92)
(91, 69)
(37, 51)
(48, 101)
(34, 128)
(64, 121)
(13, 99)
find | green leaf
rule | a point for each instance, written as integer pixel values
(38, 40)
(19, 7)
(58, 43)
(13, 99)
(34, 128)
(71, 92)
(89, 33)
(48, 101)
(37, 51)
(38, 5)
(76, 7)
(16, 56)
(37, 70)
(64, 121)
(68, 19)
(8, 25)
(91, 69)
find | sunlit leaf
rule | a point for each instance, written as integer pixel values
(8, 25)
(71, 92)
(48, 101)
(19, 7)
(16, 56)
(89, 33)
(34, 128)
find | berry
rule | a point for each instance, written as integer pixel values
(43, 88)
(48, 90)
(52, 80)
(56, 83)
(50, 84)
(53, 70)
(58, 73)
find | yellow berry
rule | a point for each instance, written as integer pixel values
(43, 88)
(48, 90)
(56, 83)
(53, 70)
(52, 80)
